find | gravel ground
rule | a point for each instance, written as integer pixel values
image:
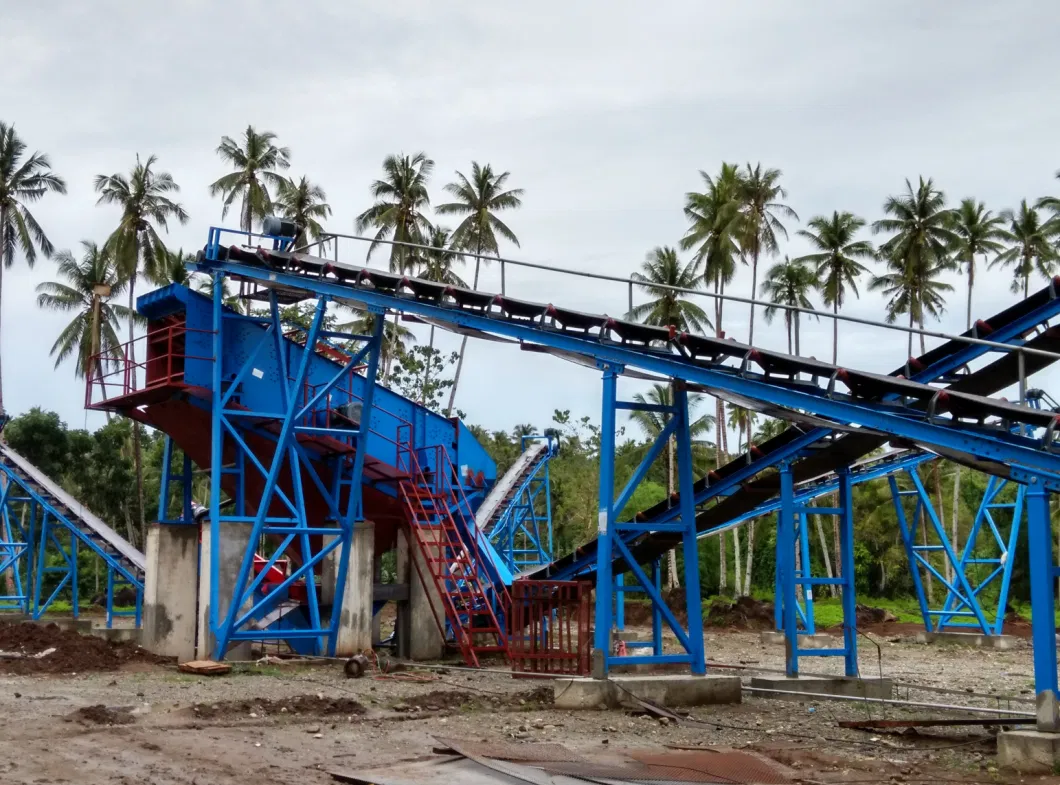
(142, 725)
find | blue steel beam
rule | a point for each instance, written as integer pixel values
(892, 421)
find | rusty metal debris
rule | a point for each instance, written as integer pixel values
(980, 722)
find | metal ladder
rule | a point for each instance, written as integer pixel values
(472, 605)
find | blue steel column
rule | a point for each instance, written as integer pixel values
(620, 601)
(846, 547)
(1043, 599)
(690, 550)
(604, 522)
(786, 553)
(354, 506)
(216, 444)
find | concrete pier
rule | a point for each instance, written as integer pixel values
(229, 552)
(1034, 751)
(170, 590)
(807, 686)
(425, 640)
(668, 691)
(974, 639)
(355, 620)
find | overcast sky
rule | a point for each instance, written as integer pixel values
(602, 112)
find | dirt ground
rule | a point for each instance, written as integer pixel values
(148, 723)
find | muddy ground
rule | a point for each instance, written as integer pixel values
(147, 723)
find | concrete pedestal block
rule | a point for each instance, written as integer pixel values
(807, 686)
(975, 639)
(668, 691)
(135, 635)
(170, 590)
(355, 619)
(1028, 751)
(229, 552)
(425, 641)
(819, 640)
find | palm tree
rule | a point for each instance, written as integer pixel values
(256, 161)
(739, 420)
(1031, 250)
(661, 274)
(759, 191)
(395, 336)
(714, 224)
(788, 283)
(478, 200)
(22, 182)
(836, 261)
(436, 264)
(173, 268)
(977, 232)
(87, 286)
(398, 213)
(653, 423)
(136, 247)
(917, 252)
(305, 204)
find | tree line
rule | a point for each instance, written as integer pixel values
(737, 217)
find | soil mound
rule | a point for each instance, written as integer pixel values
(447, 700)
(101, 715)
(743, 613)
(299, 705)
(73, 652)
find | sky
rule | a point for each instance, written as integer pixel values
(604, 113)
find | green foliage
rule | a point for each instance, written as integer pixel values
(422, 373)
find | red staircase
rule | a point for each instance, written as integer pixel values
(450, 553)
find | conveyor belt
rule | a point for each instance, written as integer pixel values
(75, 513)
(904, 392)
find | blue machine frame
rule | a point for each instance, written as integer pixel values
(1024, 458)
(522, 535)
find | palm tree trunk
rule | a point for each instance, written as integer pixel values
(737, 581)
(138, 458)
(754, 288)
(798, 350)
(923, 349)
(942, 515)
(787, 323)
(835, 334)
(463, 341)
(750, 558)
(955, 514)
(3, 223)
(723, 578)
(971, 283)
(824, 552)
(427, 369)
(671, 556)
(909, 347)
(837, 548)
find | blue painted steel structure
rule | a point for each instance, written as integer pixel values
(893, 408)
(38, 523)
(522, 533)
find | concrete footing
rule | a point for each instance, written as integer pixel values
(974, 639)
(355, 621)
(1028, 751)
(822, 685)
(819, 640)
(133, 635)
(229, 552)
(170, 591)
(425, 640)
(669, 691)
